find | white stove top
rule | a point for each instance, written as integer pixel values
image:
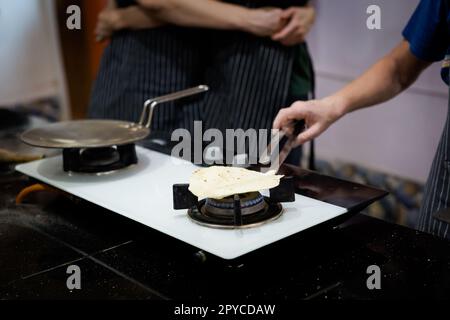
(144, 193)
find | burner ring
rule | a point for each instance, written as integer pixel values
(270, 212)
(251, 202)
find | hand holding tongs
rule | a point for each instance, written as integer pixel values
(283, 142)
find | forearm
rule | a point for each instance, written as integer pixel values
(384, 80)
(136, 18)
(111, 4)
(376, 85)
(198, 13)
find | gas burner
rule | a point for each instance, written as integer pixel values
(221, 213)
(250, 203)
(235, 212)
(99, 160)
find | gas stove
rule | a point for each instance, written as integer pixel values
(144, 192)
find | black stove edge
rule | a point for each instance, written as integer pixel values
(350, 195)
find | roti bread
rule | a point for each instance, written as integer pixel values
(218, 182)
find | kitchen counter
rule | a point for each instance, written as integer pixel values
(121, 259)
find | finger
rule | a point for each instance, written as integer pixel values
(288, 130)
(295, 37)
(294, 40)
(99, 31)
(102, 32)
(100, 28)
(99, 38)
(308, 134)
(288, 13)
(283, 33)
(285, 116)
(281, 120)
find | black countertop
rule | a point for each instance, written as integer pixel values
(121, 259)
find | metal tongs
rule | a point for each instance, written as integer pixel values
(282, 142)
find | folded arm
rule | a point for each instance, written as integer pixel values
(213, 14)
(289, 27)
(190, 13)
(112, 19)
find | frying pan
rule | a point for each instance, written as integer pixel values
(101, 133)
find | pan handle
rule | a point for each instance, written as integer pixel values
(149, 105)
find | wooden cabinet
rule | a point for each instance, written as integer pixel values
(81, 53)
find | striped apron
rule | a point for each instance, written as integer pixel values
(435, 212)
(248, 76)
(138, 65)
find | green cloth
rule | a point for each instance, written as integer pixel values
(301, 80)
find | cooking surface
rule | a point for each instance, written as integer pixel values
(85, 134)
(120, 258)
(144, 193)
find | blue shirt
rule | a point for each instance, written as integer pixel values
(428, 32)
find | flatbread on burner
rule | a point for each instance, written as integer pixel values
(219, 182)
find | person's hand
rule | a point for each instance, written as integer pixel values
(299, 22)
(318, 116)
(157, 4)
(111, 20)
(264, 21)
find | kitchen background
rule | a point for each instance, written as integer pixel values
(47, 70)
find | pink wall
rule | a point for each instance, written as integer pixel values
(398, 137)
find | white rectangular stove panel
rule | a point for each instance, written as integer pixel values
(143, 193)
